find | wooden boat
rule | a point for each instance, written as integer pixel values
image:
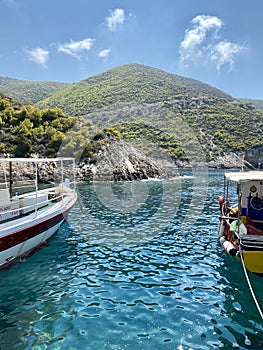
(241, 225)
(29, 215)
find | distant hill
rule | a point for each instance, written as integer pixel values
(126, 84)
(28, 91)
(257, 103)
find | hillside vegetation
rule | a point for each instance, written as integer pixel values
(184, 118)
(127, 84)
(26, 130)
(28, 91)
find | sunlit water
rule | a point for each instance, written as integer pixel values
(137, 266)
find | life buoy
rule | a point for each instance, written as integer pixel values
(221, 228)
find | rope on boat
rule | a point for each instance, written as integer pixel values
(250, 286)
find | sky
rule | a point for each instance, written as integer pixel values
(219, 42)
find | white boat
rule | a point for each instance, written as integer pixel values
(29, 215)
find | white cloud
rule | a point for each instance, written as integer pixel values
(115, 19)
(76, 49)
(104, 53)
(224, 53)
(202, 43)
(38, 55)
(194, 38)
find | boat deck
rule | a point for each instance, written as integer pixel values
(33, 211)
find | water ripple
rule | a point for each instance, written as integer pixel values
(174, 291)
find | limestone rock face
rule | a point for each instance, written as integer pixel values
(120, 161)
(227, 161)
(254, 157)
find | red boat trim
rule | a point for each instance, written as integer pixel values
(14, 238)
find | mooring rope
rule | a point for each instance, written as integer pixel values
(250, 287)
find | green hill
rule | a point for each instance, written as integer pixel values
(28, 91)
(182, 117)
(127, 84)
(147, 104)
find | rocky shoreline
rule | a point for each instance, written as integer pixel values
(119, 161)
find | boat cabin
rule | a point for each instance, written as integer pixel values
(250, 194)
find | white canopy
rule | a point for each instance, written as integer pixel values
(244, 176)
(35, 160)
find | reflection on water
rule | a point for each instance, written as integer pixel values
(118, 279)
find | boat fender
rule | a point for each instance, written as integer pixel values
(222, 240)
(229, 248)
(233, 226)
(242, 229)
(221, 229)
(221, 201)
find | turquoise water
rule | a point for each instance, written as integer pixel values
(137, 266)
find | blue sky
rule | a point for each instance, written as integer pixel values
(216, 41)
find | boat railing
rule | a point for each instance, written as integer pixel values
(30, 202)
(23, 193)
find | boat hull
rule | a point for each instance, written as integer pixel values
(252, 251)
(253, 261)
(29, 215)
(29, 237)
(250, 246)
(10, 256)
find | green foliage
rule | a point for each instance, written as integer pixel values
(127, 84)
(28, 91)
(146, 137)
(26, 129)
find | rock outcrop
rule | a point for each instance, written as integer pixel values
(227, 161)
(119, 161)
(254, 158)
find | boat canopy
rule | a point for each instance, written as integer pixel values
(35, 160)
(244, 176)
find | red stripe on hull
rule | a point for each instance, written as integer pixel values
(24, 234)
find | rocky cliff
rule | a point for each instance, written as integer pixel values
(253, 158)
(119, 161)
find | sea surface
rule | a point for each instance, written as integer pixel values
(136, 266)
